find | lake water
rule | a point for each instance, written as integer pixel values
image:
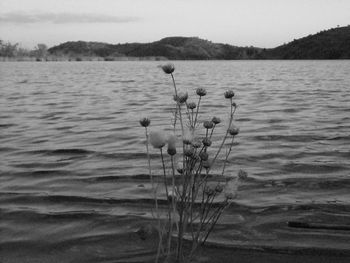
(74, 181)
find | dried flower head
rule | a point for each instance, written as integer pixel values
(206, 164)
(157, 139)
(230, 188)
(168, 68)
(219, 188)
(187, 138)
(229, 94)
(209, 190)
(189, 152)
(216, 120)
(145, 122)
(233, 130)
(208, 124)
(180, 168)
(204, 156)
(182, 97)
(230, 196)
(242, 174)
(171, 145)
(196, 143)
(191, 105)
(201, 92)
(206, 142)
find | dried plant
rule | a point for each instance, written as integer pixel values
(195, 198)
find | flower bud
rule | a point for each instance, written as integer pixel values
(145, 122)
(230, 196)
(208, 124)
(209, 191)
(182, 97)
(201, 92)
(157, 139)
(191, 105)
(171, 152)
(219, 188)
(206, 164)
(189, 152)
(233, 130)
(172, 145)
(234, 104)
(187, 138)
(196, 143)
(206, 142)
(242, 174)
(168, 68)
(204, 156)
(229, 94)
(216, 120)
(180, 168)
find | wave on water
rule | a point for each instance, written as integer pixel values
(73, 176)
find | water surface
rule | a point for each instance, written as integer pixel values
(73, 163)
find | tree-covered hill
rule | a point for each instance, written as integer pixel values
(329, 44)
(170, 48)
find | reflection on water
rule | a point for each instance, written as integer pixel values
(73, 166)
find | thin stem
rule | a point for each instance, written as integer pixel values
(233, 110)
(227, 155)
(195, 119)
(164, 174)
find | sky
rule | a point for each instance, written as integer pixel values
(260, 23)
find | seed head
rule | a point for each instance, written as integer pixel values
(201, 92)
(196, 143)
(242, 174)
(229, 94)
(187, 138)
(168, 68)
(230, 196)
(180, 168)
(208, 124)
(172, 145)
(233, 130)
(145, 122)
(206, 164)
(206, 142)
(219, 188)
(157, 139)
(209, 191)
(182, 97)
(189, 152)
(191, 105)
(216, 120)
(204, 156)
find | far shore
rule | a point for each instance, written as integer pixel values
(79, 58)
(94, 59)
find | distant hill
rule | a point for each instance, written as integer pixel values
(170, 48)
(330, 44)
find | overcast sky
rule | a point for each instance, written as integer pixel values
(261, 23)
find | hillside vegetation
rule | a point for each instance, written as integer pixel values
(169, 48)
(329, 44)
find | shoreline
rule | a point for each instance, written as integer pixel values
(116, 59)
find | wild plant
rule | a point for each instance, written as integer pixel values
(194, 196)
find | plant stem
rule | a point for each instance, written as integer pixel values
(195, 119)
(227, 155)
(225, 137)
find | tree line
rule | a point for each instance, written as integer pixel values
(10, 50)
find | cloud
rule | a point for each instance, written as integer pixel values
(63, 18)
